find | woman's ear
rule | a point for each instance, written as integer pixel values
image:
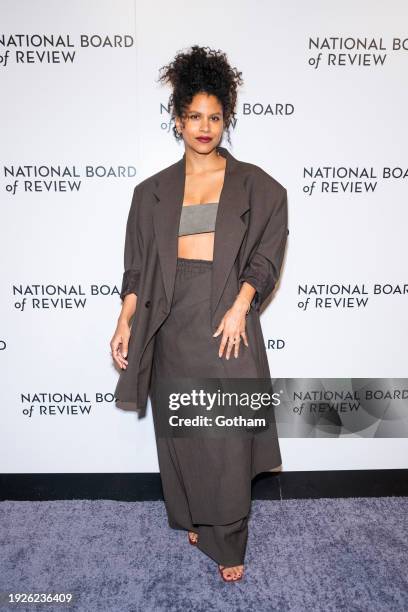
(179, 125)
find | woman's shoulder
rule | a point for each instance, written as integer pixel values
(150, 182)
(259, 177)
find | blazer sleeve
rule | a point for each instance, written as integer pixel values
(133, 248)
(263, 268)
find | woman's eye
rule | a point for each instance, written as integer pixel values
(196, 117)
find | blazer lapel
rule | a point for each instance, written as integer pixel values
(229, 227)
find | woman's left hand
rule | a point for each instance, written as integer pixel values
(233, 327)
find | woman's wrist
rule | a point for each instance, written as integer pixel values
(128, 309)
(124, 318)
(243, 303)
(246, 294)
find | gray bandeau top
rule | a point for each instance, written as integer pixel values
(198, 218)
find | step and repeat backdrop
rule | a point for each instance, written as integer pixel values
(84, 119)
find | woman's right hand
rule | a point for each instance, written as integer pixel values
(120, 343)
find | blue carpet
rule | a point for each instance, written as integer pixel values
(302, 555)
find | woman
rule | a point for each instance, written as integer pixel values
(205, 241)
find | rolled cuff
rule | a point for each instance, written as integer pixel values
(130, 283)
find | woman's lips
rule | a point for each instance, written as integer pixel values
(203, 139)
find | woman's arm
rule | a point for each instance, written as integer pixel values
(133, 248)
(264, 266)
(130, 282)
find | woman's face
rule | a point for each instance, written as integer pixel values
(203, 125)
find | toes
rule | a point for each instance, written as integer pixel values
(228, 573)
(237, 572)
(193, 536)
(224, 571)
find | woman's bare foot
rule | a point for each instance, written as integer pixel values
(193, 537)
(231, 574)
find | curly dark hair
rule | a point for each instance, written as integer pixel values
(201, 70)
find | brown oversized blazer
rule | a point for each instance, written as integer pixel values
(250, 236)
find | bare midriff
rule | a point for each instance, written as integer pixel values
(196, 246)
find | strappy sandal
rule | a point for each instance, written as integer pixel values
(221, 570)
(193, 542)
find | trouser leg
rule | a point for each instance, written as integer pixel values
(175, 498)
(225, 544)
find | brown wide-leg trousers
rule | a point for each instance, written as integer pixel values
(206, 481)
